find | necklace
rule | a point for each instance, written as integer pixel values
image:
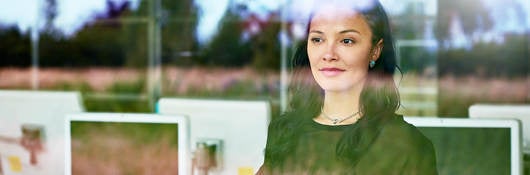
(336, 121)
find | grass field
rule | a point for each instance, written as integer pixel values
(126, 90)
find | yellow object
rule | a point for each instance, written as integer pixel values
(245, 171)
(15, 164)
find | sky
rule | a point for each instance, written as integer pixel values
(74, 13)
(23, 13)
(212, 11)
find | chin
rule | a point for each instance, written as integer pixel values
(335, 87)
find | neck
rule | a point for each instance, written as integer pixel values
(340, 105)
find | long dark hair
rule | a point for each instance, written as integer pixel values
(379, 100)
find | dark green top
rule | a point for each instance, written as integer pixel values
(398, 148)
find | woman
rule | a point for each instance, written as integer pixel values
(349, 126)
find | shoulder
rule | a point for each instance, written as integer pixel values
(401, 139)
(402, 134)
(399, 146)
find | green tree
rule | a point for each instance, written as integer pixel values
(15, 47)
(227, 48)
(178, 22)
(179, 42)
(97, 43)
(266, 45)
(50, 13)
(410, 24)
(472, 14)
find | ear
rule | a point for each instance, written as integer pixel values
(376, 50)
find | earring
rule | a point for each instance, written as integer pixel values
(372, 64)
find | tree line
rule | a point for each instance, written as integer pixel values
(111, 40)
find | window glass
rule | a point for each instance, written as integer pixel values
(132, 52)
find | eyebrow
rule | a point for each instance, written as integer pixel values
(350, 30)
(341, 32)
(316, 31)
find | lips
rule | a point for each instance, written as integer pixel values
(331, 71)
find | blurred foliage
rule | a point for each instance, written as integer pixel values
(485, 60)
(95, 45)
(235, 44)
(135, 87)
(456, 104)
(15, 47)
(135, 103)
(227, 48)
(117, 105)
(410, 24)
(82, 87)
(139, 133)
(472, 14)
(178, 41)
(266, 45)
(417, 60)
(121, 36)
(509, 59)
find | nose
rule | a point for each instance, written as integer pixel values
(330, 53)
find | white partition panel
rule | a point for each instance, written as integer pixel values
(240, 126)
(40, 114)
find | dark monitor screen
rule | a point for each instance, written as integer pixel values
(124, 148)
(462, 150)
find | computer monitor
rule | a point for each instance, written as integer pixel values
(237, 128)
(31, 130)
(117, 143)
(473, 146)
(520, 112)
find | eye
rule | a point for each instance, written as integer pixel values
(348, 41)
(316, 40)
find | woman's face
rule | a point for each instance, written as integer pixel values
(340, 47)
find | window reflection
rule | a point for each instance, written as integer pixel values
(233, 49)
